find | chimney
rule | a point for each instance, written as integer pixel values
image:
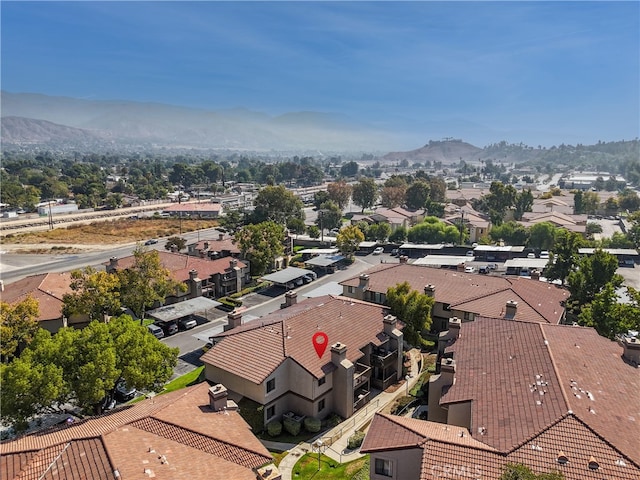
(233, 263)
(430, 290)
(113, 263)
(234, 319)
(220, 237)
(404, 259)
(338, 353)
(363, 281)
(389, 322)
(206, 245)
(218, 399)
(449, 336)
(174, 249)
(193, 274)
(535, 275)
(448, 370)
(1, 285)
(631, 350)
(290, 298)
(510, 310)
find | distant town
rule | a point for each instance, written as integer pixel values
(481, 308)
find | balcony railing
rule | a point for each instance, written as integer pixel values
(384, 357)
(361, 399)
(361, 375)
(385, 383)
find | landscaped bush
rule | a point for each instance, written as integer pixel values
(355, 440)
(274, 428)
(291, 426)
(312, 425)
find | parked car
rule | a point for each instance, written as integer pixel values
(207, 346)
(470, 253)
(544, 254)
(484, 270)
(378, 251)
(187, 323)
(312, 275)
(169, 328)
(531, 255)
(492, 266)
(469, 269)
(299, 282)
(394, 252)
(155, 330)
(124, 393)
(151, 241)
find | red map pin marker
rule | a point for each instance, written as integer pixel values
(320, 342)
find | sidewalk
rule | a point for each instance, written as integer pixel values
(338, 451)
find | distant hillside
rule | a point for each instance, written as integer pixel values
(19, 130)
(163, 125)
(446, 151)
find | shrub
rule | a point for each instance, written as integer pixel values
(355, 440)
(274, 428)
(291, 426)
(312, 425)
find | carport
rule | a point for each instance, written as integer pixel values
(518, 266)
(286, 275)
(326, 262)
(175, 311)
(449, 261)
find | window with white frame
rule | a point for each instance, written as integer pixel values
(384, 467)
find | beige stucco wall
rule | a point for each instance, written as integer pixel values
(406, 464)
(235, 383)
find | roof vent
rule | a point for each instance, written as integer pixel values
(593, 465)
(562, 458)
(621, 463)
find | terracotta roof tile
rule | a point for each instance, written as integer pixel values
(180, 425)
(537, 301)
(180, 265)
(288, 332)
(47, 288)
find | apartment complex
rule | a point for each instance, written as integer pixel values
(272, 360)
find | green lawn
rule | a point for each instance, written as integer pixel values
(185, 380)
(307, 468)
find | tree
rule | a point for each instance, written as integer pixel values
(83, 366)
(610, 317)
(276, 204)
(432, 230)
(146, 282)
(578, 202)
(378, 232)
(392, 197)
(95, 294)
(593, 227)
(340, 193)
(628, 200)
(178, 243)
(18, 325)
(320, 197)
(592, 274)
(437, 189)
(365, 193)
(541, 235)
(523, 203)
(349, 169)
(233, 220)
(499, 200)
(590, 202)
(313, 231)
(417, 195)
(261, 244)
(329, 216)
(512, 233)
(564, 255)
(399, 235)
(348, 240)
(514, 471)
(413, 308)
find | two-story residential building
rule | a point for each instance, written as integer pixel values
(221, 247)
(272, 360)
(194, 433)
(551, 397)
(203, 277)
(48, 289)
(462, 295)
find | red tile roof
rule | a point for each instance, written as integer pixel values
(197, 442)
(47, 288)
(194, 207)
(481, 294)
(287, 333)
(180, 265)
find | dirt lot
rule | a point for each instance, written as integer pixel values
(98, 235)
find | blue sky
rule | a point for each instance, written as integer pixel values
(539, 72)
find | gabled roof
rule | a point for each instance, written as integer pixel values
(481, 294)
(180, 265)
(218, 245)
(287, 333)
(195, 441)
(194, 207)
(521, 378)
(47, 288)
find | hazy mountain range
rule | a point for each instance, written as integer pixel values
(34, 119)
